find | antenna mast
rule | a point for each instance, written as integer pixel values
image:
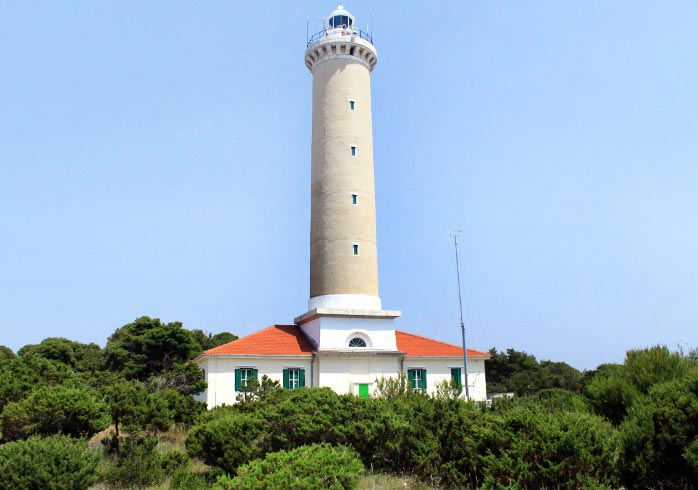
(462, 325)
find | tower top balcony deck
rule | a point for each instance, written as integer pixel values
(340, 38)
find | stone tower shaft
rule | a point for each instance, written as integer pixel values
(343, 251)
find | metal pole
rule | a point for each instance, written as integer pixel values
(462, 325)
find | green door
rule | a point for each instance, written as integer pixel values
(363, 391)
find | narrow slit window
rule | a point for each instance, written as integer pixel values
(352, 105)
(354, 199)
(355, 248)
(353, 150)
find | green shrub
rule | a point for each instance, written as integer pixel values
(659, 437)
(532, 448)
(54, 410)
(319, 466)
(183, 479)
(52, 463)
(138, 464)
(286, 419)
(228, 441)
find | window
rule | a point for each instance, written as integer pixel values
(352, 105)
(357, 342)
(243, 376)
(456, 377)
(354, 199)
(294, 378)
(417, 379)
(353, 150)
(355, 247)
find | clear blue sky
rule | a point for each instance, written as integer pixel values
(155, 160)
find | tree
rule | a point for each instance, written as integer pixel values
(80, 357)
(209, 341)
(56, 463)
(22, 375)
(613, 389)
(148, 346)
(132, 405)
(6, 353)
(186, 378)
(54, 410)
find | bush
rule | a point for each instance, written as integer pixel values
(183, 479)
(533, 448)
(52, 463)
(319, 466)
(138, 464)
(54, 410)
(286, 419)
(659, 438)
(228, 441)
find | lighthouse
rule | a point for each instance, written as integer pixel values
(343, 251)
(344, 309)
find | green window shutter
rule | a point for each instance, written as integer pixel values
(286, 378)
(424, 379)
(301, 382)
(237, 380)
(412, 378)
(254, 374)
(456, 377)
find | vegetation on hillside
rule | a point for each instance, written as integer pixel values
(632, 425)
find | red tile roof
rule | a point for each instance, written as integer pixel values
(288, 340)
(418, 346)
(276, 340)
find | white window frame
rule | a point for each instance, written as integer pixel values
(294, 378)
(355, 249)
(245, 375)
(353, 151)
(352, 105)
(354, 199)
(419, 381)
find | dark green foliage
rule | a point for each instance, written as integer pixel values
(646, 367)
(184, 408)
(132, 406)
(80, 357)
(54, 410)
(138, 464)
(183, 479)
(148, 346)
(20, 376)
(286, 419)
(522, 374)
(186, 378)
(613, 389)
(659, 438)
(209, 341)
(6, 353)
(52, 463)
(529, 448)
(610, 394)
(258, 390)
(229, 440)
(318, 466)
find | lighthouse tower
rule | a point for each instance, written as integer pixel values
(344, 309)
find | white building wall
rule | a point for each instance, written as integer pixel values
(342, 374)
(439, 370)
(220, 374)
(345, 374)
(334, 332)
